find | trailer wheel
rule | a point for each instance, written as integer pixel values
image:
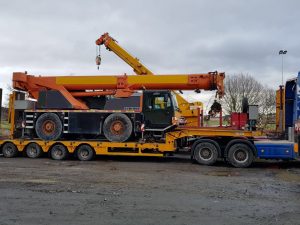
(59, 152)
(48, 127)
(117, 127)
(205, 153)
(240, 155)
(9, 150)
(85, 153)
(33, 150)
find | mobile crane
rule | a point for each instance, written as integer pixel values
(118, 118)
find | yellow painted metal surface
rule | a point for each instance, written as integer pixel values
(101, 148)
(112, 148)
(77, 80)
(131, 79)
(12, 98)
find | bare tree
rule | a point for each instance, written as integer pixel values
(241, 86)
(267, 106)
(238, 87)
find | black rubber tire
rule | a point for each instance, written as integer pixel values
(33, 150)
(85, 153)
(59, 152)
(48, 127)
(123, 121)
(205, 153)
(240, 155)
(9, 150)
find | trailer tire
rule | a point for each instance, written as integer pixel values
(117, 127)
(48, 127)
(240, 155)
(85, 152)
(33, 150)
(59, 152)
(205, 153)
(9, 150)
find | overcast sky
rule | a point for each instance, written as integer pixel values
(169, 36)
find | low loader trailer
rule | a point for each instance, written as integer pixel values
(205, 145)
(135, 115)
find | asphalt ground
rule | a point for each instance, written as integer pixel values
(135, 190)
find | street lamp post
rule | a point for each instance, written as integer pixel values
(282, 52)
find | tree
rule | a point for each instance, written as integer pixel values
(267, 106)
(238, 87)
(241, 86)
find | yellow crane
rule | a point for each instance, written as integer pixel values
(189, 111)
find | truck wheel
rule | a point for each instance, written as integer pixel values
(9, 150)
(240, 155)
(59, 152)
(33, 150)
(48, 127)
(205, 153)
(117, 127)
(85, 153)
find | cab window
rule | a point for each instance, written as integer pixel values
(158, 103)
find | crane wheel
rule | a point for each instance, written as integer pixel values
(117, 127)
(205, 153)
(59, 152)
(33, 150)
(9, 150)
(240, 155)
(48, 127)
(85, 152)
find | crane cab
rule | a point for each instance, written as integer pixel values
(159, 109)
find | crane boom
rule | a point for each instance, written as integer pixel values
(74, 87)
(112, 45)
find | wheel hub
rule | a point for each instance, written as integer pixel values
(241, 155)
(9, 150)
(84, 153)
(32, 150)
(58, 152)
(205, 153)
(48, 127)
(117, 127)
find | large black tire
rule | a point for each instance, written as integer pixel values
(33, 150)
(205, 153)
(59, 152)
(48, 127)
(117, 127)
(9, 150)
(240, 155)
(85, 152)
